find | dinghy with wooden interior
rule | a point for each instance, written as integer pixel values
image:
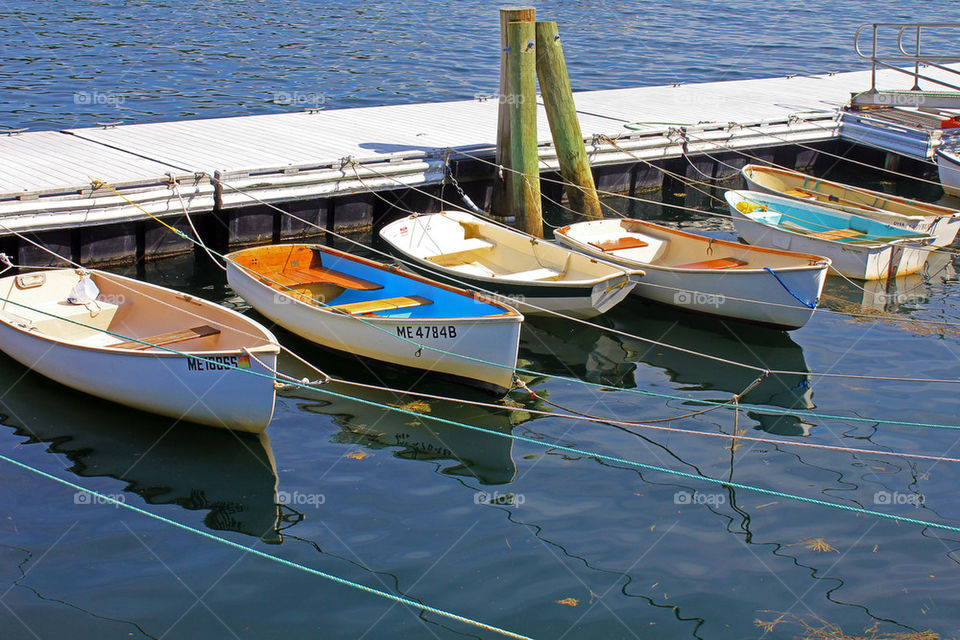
(491, 257)
(922, 217)
(858, 247)
(705, 275)
(362, 307)
(141, 345)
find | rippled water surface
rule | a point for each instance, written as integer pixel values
(514, 533)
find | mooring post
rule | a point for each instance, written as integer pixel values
(500, 201)
(564, 125)
(522, 100)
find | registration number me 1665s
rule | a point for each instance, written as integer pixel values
(427, 331)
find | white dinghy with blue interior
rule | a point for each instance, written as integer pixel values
(141, 345)
(858, 247)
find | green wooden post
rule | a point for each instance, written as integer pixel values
(522, 103)
(500, 202)
(564, 125)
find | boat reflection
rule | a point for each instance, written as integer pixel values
(889, 295)
(458, 451)
(603, 357)
(231, 476)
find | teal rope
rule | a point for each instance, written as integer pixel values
(649, 467)
(262, 554)
(525, 439)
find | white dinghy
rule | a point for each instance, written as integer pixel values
(141, 345)
(705, 275)
(491, 257)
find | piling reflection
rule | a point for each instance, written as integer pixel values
(231, 476)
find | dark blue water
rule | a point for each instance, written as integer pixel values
(530, 538)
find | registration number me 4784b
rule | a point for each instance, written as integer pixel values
(427, 331)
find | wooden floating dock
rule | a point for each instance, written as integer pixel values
(47, 178)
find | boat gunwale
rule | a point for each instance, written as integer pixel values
(508, 311)
(10, 319)
(567, 284)
(936, 210)
(820, 262)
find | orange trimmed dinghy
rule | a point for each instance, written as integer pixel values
(362, 307)
(705, 275)
(141, 345)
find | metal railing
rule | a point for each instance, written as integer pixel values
(909, 37)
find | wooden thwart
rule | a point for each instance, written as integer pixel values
(719, 263)
(837, 234)
(384, 304)
(164, 339)
(321, 275)
(627, 242)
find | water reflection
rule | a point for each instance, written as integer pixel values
(604, 357)
(457, 451)
(892, 295)
(231, 476)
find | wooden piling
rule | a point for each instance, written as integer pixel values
(522, 102)
(500, 201)
(564, 125)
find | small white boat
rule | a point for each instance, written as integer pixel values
(705, 275)
(359, 306)
(924, 217)
(857, 247)
(189, 359)
(481, 254)
(948, 164)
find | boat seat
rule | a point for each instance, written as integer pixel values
(164, 339)
(616, 244)
(384, 304)
(543, 273)
(320, 275)
(837, 234)
(718, 263)
(800, 193)
(454, 247)
(85, 321)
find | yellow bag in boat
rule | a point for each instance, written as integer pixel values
(749, 207)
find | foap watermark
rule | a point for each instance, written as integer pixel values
(698, 299)
(313, 99)
(508, 299)
(497, 498)
(288, 298)
(897, 298)
(897, 497)
(99, 98)
(85, 497)
(509, 98)
(298, 499)
(688, 497)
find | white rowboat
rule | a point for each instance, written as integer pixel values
(704, 275)
(490, 257)
(200, 368)
(924, 217)
(359, 306)
(857, 247)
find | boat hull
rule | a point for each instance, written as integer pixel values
(922, 217)
(859, 261)
(169, 384)
(948, 165)
(481, 350)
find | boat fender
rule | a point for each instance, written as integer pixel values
(950, 123)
